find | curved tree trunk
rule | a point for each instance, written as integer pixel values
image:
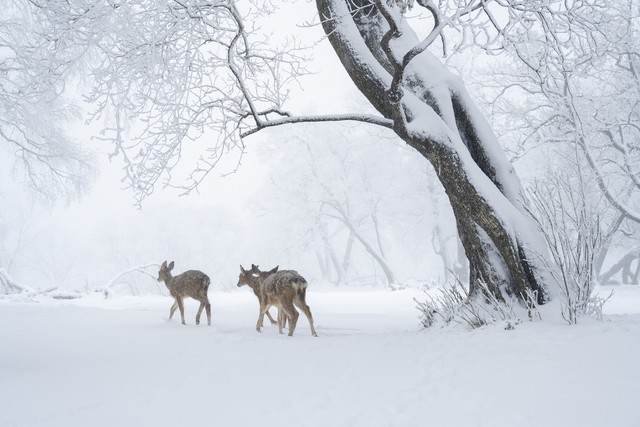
(433, 113)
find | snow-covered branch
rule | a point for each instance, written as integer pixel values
(33, 108)
(143, 269)
(364, 118)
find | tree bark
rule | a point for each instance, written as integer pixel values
(435, 116)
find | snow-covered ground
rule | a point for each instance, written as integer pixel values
(119, 362)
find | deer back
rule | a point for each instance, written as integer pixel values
(191, 283)
(284, 283)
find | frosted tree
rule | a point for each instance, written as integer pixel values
(582, 88)
(433, 113)
(357, 213)
(33, 108)
(174, 72)
(348, 200)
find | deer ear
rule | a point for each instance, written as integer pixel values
(255, 268)
(242, 270)
(274, 270)
(164, 264)
(171, 265)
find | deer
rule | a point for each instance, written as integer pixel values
(261, 276)
(286, 289)
(247, 278)
(191, 283)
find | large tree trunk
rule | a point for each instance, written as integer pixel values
(435, 115)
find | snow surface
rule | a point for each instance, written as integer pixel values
(119, 361)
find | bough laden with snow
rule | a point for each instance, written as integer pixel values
(168, 74)
(432, 112)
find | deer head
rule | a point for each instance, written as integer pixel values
(164, 275)
(263, 274)
(247, 278)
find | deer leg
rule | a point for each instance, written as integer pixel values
(263, 309)
(268, 315)
(199, 312)
(261, 302)
(207, 307)
(181, 307)
(273, 322)
(291, 312)
(173, 309)
(282, 318)
(307, 312)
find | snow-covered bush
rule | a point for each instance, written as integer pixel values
(595, 304)
(570, 221)
(531, 303)
(454, 305)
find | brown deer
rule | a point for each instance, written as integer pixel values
(285, 289)
(262, 275)
(247, 278)
(191, 283)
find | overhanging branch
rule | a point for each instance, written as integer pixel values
(364, 118)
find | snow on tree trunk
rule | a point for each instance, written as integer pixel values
(432, 112)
